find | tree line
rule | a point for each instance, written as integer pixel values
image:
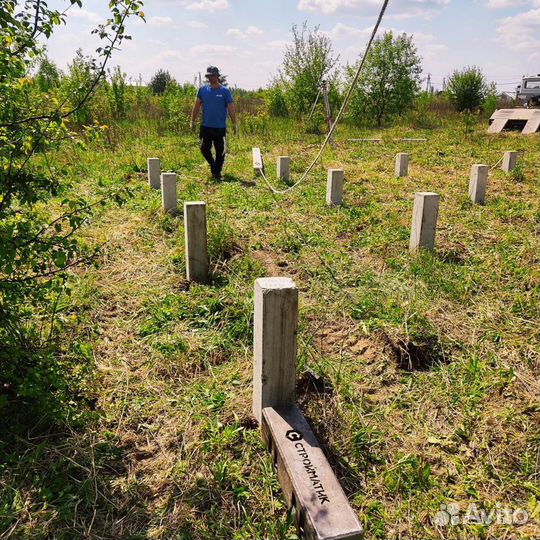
(388, 87)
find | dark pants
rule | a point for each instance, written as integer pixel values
(215, 136)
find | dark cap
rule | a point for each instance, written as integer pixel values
(212, 70)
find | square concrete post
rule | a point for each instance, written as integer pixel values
(196, 241)
(334, 187)
(168, 192)
(424, 221)
(402, 165)
(152, 166)
(258, 165)
(509, 161)
(274, 343)
(478, 183)
(283, 167)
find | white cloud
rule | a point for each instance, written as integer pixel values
(209, 5)
(159, 21)
(341, 31)
(167, 54)
(496, 4)
(254, 30)
(534, 57)
(331, 7)
(429, 49)
(235, 32)
(519, 32)
(399, 9)
(213, 49)
(85, 15)
(277, 44)
(250, 31)
(197, 24)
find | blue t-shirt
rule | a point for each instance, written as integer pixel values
(214, 105)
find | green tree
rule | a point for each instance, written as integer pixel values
(306, 63)
(117, 94)
(37, 248)
(467, 89)
(160, 81)
(82, 71)
(389, 81)
(48, 75)
(177, 103)
(275, 100)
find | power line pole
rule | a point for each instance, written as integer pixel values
(428, 83)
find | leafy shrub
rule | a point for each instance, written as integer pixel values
(467, 89)
(469, 121)
(82, 72)
(37, 247)
(422, 114)
(47, 76)
(490, 103)
(275, 101)
(177, 103)
(117, 94)
(160, 81)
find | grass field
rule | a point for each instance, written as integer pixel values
(418, 373)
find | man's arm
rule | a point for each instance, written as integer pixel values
(195, 112)
(232, 114)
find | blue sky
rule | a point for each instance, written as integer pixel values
(246, 39)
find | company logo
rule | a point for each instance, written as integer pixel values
(452, 514)
(294, 435)
(309, 468)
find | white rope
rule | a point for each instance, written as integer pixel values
(338, 117)
(493, 166)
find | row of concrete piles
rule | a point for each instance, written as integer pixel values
(195, 228)
(424, 220)
(426, 203)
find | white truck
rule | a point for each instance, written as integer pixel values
(529, 90)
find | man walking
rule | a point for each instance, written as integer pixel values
(216, 101)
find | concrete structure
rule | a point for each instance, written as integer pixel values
(274, 343)
(152, 166)
(168, 192)
(509, 161)
(197, 262)
(424, 220)
(258, 164)
(478, 183)
(527, 120)
(402, 165)
(283, 167)
(334, 187)
(307, 479)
